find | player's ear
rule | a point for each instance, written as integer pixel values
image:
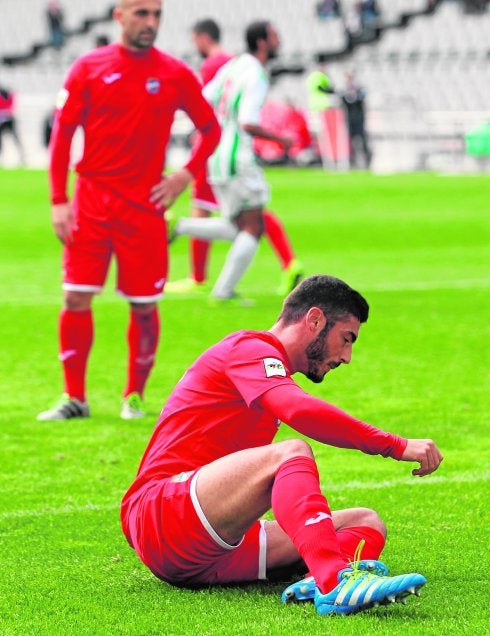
(315, 319)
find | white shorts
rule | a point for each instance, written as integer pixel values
(245, 191)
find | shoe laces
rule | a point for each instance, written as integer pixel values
(355, 573)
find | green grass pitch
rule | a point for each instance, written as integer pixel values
(418, 247)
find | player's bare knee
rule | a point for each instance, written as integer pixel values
(291, 448)
(77, 301)
(371, 519)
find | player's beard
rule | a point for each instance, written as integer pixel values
(316, 354)
(145, 43)
(272, 54)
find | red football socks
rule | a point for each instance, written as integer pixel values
(276, 234)
(75, 335)
(199, 259)
(143, 334)
(349, 539)
(303, 513)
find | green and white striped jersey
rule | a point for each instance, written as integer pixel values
(237, 92)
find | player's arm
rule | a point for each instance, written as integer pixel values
(59, 148)
(259, 131)
(249, 115)
(328, 424)
(202, 116)
(70, 108)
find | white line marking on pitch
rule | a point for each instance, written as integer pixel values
(355, 485)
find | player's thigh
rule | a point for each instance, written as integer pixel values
(245, 191)
(87, 256)
(140, 246)
(234, 491)
(202, 195)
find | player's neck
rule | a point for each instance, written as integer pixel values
(214, 49)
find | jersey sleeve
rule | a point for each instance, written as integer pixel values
(252, 100)
(202, 116)
(70, 107)
(255, 366)
(72, 100)
(327, 423)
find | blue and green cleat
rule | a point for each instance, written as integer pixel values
(304, 590)
(359, 590)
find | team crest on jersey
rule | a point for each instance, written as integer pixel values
(152, 85)
(274, 367)
(182, 476)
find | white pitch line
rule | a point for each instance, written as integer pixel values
(395, 286)
(354, 485)
(430, 480)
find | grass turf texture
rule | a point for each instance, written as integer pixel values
(417, 246)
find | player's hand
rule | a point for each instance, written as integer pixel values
(164, 193)
(287, 143)
(63, 221)
(425, 452)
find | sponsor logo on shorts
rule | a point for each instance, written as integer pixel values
(152, 85)
(182, 476)
(274, 367)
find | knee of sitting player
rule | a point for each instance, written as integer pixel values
(369, 518)
(291, 448)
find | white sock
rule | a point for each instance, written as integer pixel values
(237, 261)
(208, 229)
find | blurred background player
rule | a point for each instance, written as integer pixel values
(353, 99)
(124, 96)
(206, 36)
(238, 92)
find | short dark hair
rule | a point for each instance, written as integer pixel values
(256, 31)
(334, 297)
(208, 26)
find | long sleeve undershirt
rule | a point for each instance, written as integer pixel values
(326, 423)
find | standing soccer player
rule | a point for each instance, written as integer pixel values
(238, 92)
(124, 96)
(210, 470)
(206, 36)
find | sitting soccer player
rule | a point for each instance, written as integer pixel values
(210, 470)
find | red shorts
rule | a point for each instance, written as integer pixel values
(107, 224)
(202, 193)
(168, 530)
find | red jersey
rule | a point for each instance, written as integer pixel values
(126, 101)
(216, 409)
(212, 64)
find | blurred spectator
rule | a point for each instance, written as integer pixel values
(7, 121)
(101, 40)
(319, 89)
(369, 12)
(48, 126)
(55, 18)
(353, 99)
(327, 9)
(475, 6)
